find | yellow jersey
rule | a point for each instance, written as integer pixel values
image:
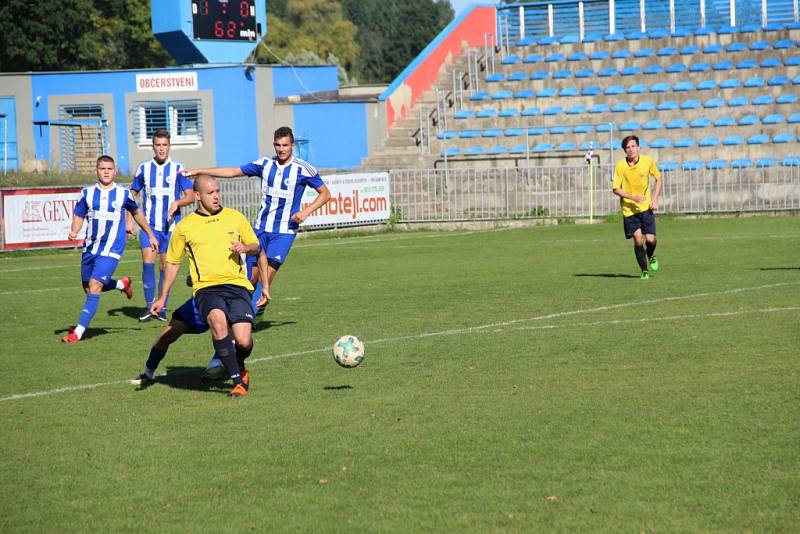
(206, 239)
(635, 180)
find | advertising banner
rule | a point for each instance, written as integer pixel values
(355, 199)
(38, 218)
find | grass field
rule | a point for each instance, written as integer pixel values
(515, 380)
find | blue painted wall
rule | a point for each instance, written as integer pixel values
(336, 133)
(288, 81)
(8, 134)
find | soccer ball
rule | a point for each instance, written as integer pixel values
(348, 351)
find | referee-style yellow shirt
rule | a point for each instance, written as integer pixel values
(206, 239)
(635, 180)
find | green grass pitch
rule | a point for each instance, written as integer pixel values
(514, 380)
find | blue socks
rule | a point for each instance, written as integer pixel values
(108, 286)
(89, 309)
(149, 282)
(256, 295)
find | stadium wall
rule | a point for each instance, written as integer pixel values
(467, 29)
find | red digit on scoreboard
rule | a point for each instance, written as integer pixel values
(218, 31)
(231, 33)
(244, 9)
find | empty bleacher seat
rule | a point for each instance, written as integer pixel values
(699, 67)
(613, 37)
(676, 124)
(654, 69)
(547, 40)
(774, 118)
(661, 87)
(576, 109)
(540, 75)
(492, 132)
(543, 147)
(684, 85)
(794, 118)
(615, 90)
(693, 165)
(667, 51)
(570, 38)
(677, 68)
(622, 53)
(667, 166)
(725, 121)
(566, 145)
(498, 149)
(510, 60)
(653, 124)
(713, 103)
(586, 145)
(513, 132)
(746, 64)
(591, 91)
(796, 80)
(750, 27)
(738, 101)
(531, 111)
(658, 33)
(496, 77)
(508, 112)
(741, 163)
(700, 122)
(606, 127)
(712, 49)
(524, 93)
(517, 76)
(761, 100)
(793, 61)
(519, 148)
(463, 114)
(716, 164)
(537, 130)
(532, 58)
(568, 91)
(763, 163)
(555, 57)
(559, 130)
(684, 142)
(562, 74)
(660, 142)
(577, 56)
(644, 106)
(582, 128)
(736, 47)
(770, 63)
(702, 31)
(547, 92)
(783, 43)
(730, 83)
(474, 151)
(487, 113)
(783, 137)
(480, 95)
(584, 73)
(789, 98)
(643, 52)
(607, 72)
(592, 38)
(469, 134)
(601, 107)
(725, 64)
(749, 120)
(791, 161)
(637, 88)
(453, 151)
(777, 81)
(553, 110)
(632, 70)
(525, 41)
(733, 140)
(759, 45)
(615, 144)
(448, 134)
(621, 107)
(690, 50)
(755, 81)
(598, 55)
(709, 140)
(629, 126)
(501, 95)
(635, 35)
(758, 139)
(667, 105)
(707, 85)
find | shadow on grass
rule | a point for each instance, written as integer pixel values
(128, 311)
(336, 388)
(779, 268)
(607, 275)
(92, 332)
(265, 324)
(188, 377)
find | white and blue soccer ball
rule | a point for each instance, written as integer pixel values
(348, 351)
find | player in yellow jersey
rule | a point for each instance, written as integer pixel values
(632, 185)
(214, 239)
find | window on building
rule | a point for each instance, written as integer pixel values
(82, 136)
(182, 118)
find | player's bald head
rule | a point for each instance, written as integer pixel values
(201, 181)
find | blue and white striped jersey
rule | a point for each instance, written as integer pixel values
(104, 211)
(281, 191)
(162, 185)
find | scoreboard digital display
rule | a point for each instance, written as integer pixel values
(225, 20)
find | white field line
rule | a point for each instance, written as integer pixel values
(479, 328)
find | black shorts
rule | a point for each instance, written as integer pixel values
(233, 300)
(644, 221)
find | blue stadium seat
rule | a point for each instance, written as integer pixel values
(547, 40)
(519, 148)
(717, 164)
(793, 61)
(496, 77)
(684, 142)
(553, 110)
(661, 87)
(448, 134)
(774, 118)
(759, 45)
(577, 56)
(676, 124)
(667, 105)
(480, 95)
(615, 90)
(532, 58)
(667, 166)
(643, 52)
(703, 31)
(725, 64)
(735, 47)
(498, 149)
(707, 85)
(463, 114)
(501, 95)
(783, 43)
(738, 101)
(531, 111)
(586, 145)
(598, 55)
(555, 57)
(791, 161)
(615, 144)
(637, 88)
(524, 93)
(540, 75)
(733, 140)
(568, 91)
(770, 63)
(582, 128)
(658, 33)
(778, 81)
(559, 130)
(654, 69)
(653, 124)
(613, 37)
(749, 120)
(789, 98)
(677, 68)
(750, 27)
(525, 41)
(591, 91)
(547, 92)
(621, 107)
(621, 53)
(644, 106)
(592, 38)
(763, 163)
(469, 134)
(510, 60)
(517, 76)
(562, 74)
(712, 49)
(690, 50)
(606, 72)
(712, 103)
(796, 80)
(783, 137)
(700, 122)
(725, 121)
(567, 145)
(513, 132)
(709, 141)
(666, 52)
(632, 70)
(755, 81)
(570, 38)
(635, 35)
(584, 73)
(794, 118)
(758, 139)
(661, 142)
(492, 132)
(487, 113)
(685, 85)
(508, 112)
(699, 67)
(543, 147)
(576, 109)
(693, 165)
(599, 108)
(730, 83)
(454, 151)
(761, 100)
(629, 126)
(746, 64)
(741, 163)
(474, 151)
(606, 127)
(537, 130)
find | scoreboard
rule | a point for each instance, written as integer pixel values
(233, 21)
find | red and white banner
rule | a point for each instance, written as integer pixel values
(355, 199)
(36, 218)
(164, 82)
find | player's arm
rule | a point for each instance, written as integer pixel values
(262, 274)
(622, 194)
(170, 274)
(219, 172)
(185, 200)
(77, 223)
(322, 198)
(138, 216)
(240, 248)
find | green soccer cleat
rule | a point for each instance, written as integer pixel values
(654, 264)
(645, 276)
